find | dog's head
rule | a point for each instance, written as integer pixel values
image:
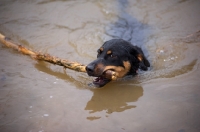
(119, 56)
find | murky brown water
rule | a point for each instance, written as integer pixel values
(36, 96)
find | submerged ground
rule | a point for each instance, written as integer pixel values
(37, 96)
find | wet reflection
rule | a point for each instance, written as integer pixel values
(44, 67)
(114, 97)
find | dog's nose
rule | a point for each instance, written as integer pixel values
(90, 69)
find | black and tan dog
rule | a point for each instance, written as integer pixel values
(119, 56)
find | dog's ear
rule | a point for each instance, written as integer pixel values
(144, 63)
(138, 54)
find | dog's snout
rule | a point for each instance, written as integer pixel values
(90, 69)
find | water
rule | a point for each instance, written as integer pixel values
(36, 96)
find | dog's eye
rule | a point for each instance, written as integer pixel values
(99, 51)
(112, 56)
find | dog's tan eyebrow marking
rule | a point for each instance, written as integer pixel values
(140, 57)
(101, 49)
(109, 52)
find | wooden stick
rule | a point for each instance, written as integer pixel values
(51, 59)
(44, 57)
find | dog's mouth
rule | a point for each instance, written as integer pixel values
(103, 79)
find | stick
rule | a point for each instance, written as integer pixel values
(51, 59)
(44, 57)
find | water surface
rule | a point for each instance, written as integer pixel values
(36, 96)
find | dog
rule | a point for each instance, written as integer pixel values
(119, 56)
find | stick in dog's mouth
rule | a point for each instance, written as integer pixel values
(106, 77)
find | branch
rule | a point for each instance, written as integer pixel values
(51, 59)
(44, 57)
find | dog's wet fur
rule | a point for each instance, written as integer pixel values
(119, 56)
